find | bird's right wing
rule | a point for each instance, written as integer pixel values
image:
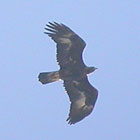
(69, 45)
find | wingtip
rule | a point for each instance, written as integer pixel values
(69, 120)
(46, 33)
(54, 24)
(51, 24)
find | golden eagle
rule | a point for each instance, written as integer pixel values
(72, 71)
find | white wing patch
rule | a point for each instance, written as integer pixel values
(65, 41)
(68, 35)
(80, 102)
(76, 82)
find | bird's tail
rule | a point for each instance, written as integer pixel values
(48, 77)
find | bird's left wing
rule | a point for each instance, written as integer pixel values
(82, 96)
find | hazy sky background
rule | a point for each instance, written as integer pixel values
(31, 111)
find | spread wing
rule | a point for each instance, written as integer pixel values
(69, 45)
(82, 96)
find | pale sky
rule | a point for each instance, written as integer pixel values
(31, 111)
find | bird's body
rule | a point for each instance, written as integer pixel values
(72, 71)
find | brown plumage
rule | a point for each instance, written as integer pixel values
(72, 71)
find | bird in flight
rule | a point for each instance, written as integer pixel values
(72, 71)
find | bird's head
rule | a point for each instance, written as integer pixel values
(90, 69)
